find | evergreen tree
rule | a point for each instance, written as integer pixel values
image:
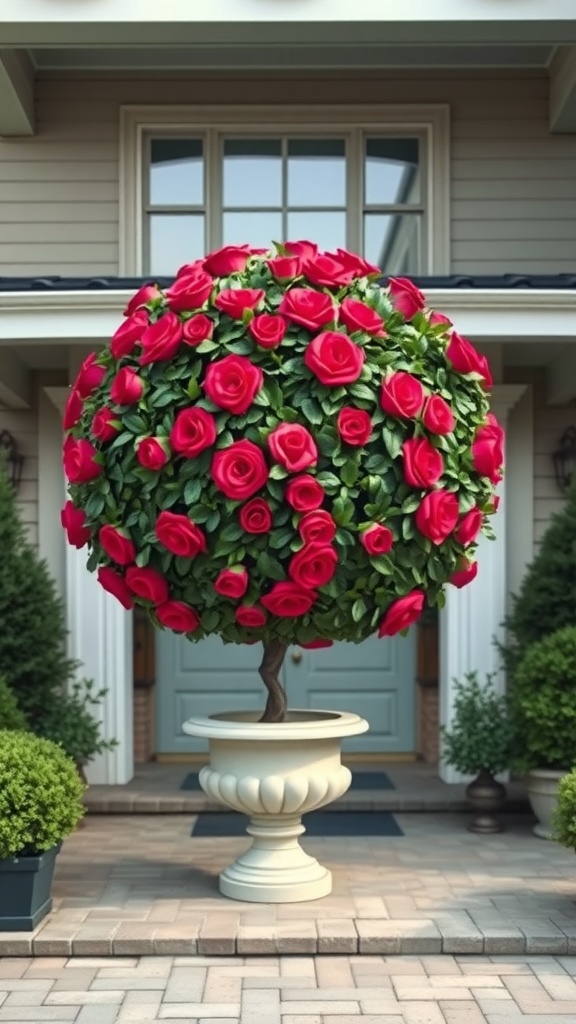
(33, 657)
(547, 597)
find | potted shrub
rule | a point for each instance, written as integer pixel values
(479, 742)
(543, 704)
(564, 817)
(40, 804)
(278, 449)
(69, 721)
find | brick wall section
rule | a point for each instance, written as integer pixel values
(427, 692)
(144, 747)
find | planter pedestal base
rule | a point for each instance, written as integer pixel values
(275, 773)
(275, 869)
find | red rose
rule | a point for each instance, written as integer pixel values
(267, 330)
(285, 268)
(402, 395)
(90, 376)
(423, 464)
(162, 339)
(189, 268)
(250, 615)
(313, 566)
(197, 329)
(469, 527)
(147, 583)
(239, 470)
(465, 358)
(74, 522)
(143, 296)
(402, 613)
(127, 387)
(327, 272)
(234, 301)
(314, 645)
(178, 534)
(293, 447)
(435, 319)
(377, 539)
(177, 616)
(317, 527)
(438, 416)
(78, 459)
(115, 584)
(466, 572)
(304, 493)
(406, 297)
(189, 291)
(334, 358)
(437, 515)
(73, 411)
(307, 307)
(232, 259)
(232, 383)
(130, 332)
(153, 452)
(488, 449)
(232, 582)
(357, 316)
(357, 265)
(117, 545)
(256, 516)
(288, 599)
(105, 424)
(306, 250)
(354, 425)
(194, 430)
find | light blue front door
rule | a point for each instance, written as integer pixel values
(375, 679)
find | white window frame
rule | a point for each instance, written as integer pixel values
(429, 120)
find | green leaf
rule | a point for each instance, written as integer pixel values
(383, 564)
(393, 442)
(349, 472)
(269, 567)
(207, 346)
(312, 410)
(95, 505)
(193, 389)
(359, 610)
(192, 491)
(362, 391)
(209, 620)
(278, 472)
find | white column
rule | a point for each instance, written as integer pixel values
(100, 638)
(472, 618)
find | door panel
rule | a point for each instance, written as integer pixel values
(375, 679)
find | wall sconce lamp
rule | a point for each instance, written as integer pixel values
(14, 461)
(565, 459)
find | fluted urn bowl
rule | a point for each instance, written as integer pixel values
(275, 773)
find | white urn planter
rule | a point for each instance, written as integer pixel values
(275, 773)
(542, 787)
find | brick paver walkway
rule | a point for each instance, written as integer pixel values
(141, 885)
(290, 990)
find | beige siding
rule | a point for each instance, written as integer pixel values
(513, 184)
(549, 424)
(24, 427)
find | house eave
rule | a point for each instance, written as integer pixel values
(511, 315)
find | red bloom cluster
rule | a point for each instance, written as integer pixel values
(265, 451)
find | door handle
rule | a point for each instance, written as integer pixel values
(296, 657)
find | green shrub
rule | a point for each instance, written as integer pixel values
(68, 721)
(546, 600)
(40, 794)
(564, 820)
(543, 703)
(10, 715)
(33, 657)
(480, 735)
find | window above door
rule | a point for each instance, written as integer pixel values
(374, 180)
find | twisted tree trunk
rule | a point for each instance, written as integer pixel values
(274, 652)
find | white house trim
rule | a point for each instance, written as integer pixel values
(16, 93)
(473, 616)
(489, 314)
(433, 120)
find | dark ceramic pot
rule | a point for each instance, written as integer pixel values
(487, 798)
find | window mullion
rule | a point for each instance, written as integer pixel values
(354, 190)
(213, 178)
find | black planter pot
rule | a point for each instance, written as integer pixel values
(487, 797)
(25, 884)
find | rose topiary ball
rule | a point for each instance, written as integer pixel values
(278, 448)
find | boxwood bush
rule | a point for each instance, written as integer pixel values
(564, 820)
(40, 794)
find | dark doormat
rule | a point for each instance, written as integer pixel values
(360, 780)
(318, 823)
